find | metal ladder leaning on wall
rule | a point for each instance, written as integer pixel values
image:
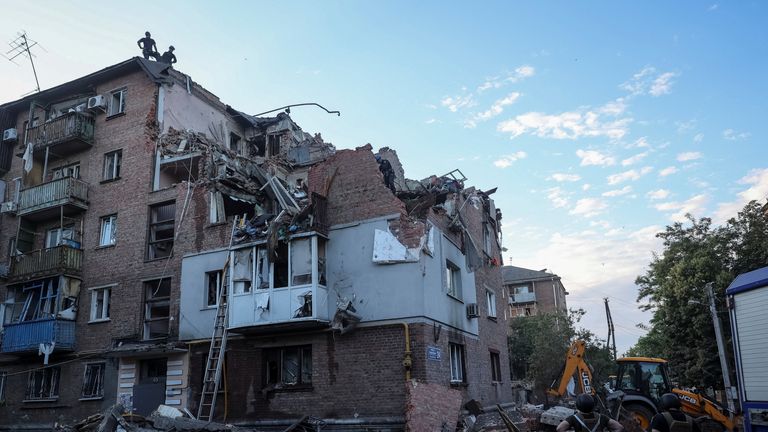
(215, 361)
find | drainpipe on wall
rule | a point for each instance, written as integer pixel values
(407, 362)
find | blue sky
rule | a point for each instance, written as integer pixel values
(600, 122)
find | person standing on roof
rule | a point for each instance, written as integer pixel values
(168, 56)
(148, 46)
(671, 419)
(586, 420)
(386, 170)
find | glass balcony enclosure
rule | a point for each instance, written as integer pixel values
(288, 286)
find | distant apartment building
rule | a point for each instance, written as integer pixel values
(126, 192)
(533, 292)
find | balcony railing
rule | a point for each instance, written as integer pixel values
(67, 191)
(73, 131)
(28, 335)
(44, 262)
(528, 297)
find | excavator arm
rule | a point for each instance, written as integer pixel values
(574, 362)
(697, 405)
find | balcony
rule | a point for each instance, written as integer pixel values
(68, 133)
(27, 336)
(527, 297)
(46, 262)
(43, 201)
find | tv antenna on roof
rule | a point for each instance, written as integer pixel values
(22, 46)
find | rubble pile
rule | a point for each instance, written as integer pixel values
(165, 419)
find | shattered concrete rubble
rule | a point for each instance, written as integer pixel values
(164, 419)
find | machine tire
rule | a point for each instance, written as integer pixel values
(636, 417)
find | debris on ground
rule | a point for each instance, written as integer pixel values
(494, 419)
(164, 419)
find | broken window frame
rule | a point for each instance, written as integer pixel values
(273, 145)
(234, 142)
(41, 300)
(487, 243)
(164, 224)
(112, 163)
(302, 373)
(69, 170)
(458, 368)
(100, 303)
(154, 301)
(213, 286)
(453, 279)
(116, 102)
(43, 384)
(93, 381)
(490, 298)
(108, 230)
(56, 236)
(495, 366)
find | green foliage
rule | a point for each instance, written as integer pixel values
(538, 347)
(694, 254)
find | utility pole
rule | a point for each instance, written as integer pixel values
(611, 340)
(720, 348)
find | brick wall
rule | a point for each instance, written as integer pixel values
(431, 407)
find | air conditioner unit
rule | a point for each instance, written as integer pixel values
(8, 207)
(472, 311)
(97, 102)
(10, 134)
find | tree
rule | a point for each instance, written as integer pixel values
(695, 253)
(538, 346)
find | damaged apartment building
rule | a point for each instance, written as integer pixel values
(139, 211)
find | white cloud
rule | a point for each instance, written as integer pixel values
(588, 207)
(586, 186)
(732, 135)
(758, 191)
(557, 197)
(693, 205)
(495, 109)
(634, 159)
(641, 142)
(699, 137)
(618, 192)
(648, 81)
(507, 160)
(614, 108)
(712, 7)
(430, 121)
(456, 103)
(662, 84)
(518, 74)
(633, 174)
(668, 171)
(561, 177)
(567, 125)
(592, 157)
(688, 156)
(658, 194)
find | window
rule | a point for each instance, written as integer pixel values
(117, 102)
(161, 230)
(490, 297)
(93, 381)
(213, 287)
(72, 170)
(3, 378)
(453, 279)
(487, 239)
(289, 366)
(100, 303)
(43, 384)
(58, 236)
(32, 301)
(495, 367)
(112, 162)
(301, 261)
(242, 271)
(234, 142)
(273, 145)
(457, 363)
(108, 236)
(157, 308)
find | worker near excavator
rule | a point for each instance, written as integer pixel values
(586, 420)
(671, 419)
